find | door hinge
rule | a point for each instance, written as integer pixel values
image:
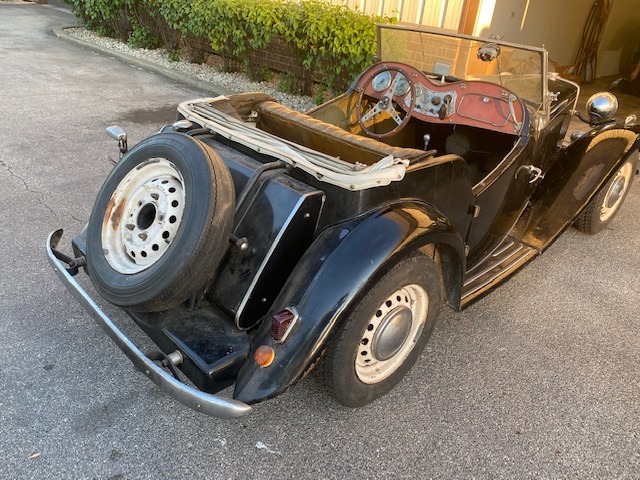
(474, 210)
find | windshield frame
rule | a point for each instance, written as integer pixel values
(542, 106)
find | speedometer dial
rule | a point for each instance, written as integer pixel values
(381, 81)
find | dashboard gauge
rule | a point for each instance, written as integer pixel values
(401, 85)
(381, 81)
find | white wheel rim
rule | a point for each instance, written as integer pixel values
(615, 194)
(407, 304)
(143, 216)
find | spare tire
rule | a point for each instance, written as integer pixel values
(160, 224)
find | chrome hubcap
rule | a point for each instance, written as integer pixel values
(143, 217)
(615, 194)
(391, 334)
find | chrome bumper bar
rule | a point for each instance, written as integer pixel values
(202, 402)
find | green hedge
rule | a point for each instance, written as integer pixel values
(332, 40)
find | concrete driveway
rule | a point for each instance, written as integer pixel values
(539, 379)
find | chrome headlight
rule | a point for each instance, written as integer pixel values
(601, 106)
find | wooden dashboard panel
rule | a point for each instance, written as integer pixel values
(474, 103)
(479, 104)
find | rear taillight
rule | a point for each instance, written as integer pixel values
(282, 323)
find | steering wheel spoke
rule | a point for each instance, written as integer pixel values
(377, 108)
(393, 113)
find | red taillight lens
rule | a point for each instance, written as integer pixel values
(281, 323)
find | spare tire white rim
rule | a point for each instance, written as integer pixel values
(143, 216)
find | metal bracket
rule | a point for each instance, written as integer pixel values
(73, 264)
(535, 173)
(517, 125)
(474, 211)
(241, 243)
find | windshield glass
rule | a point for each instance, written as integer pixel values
(518, 68)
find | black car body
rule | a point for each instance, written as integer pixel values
(251, 242)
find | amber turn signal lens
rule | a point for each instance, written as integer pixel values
(264, 356)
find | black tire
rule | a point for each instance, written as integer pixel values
(344, 370)
(603, 207)
(160, 224)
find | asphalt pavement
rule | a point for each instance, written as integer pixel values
(539, 379)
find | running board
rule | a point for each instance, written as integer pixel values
(508, 258)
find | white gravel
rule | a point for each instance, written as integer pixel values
(233, 81)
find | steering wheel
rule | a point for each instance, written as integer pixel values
(387, 97)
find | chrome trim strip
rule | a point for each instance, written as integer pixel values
(495, 174)
(513, 263)
(500, 250)
(267, 257)
(546, 99)
(191, 397)
(491, 266)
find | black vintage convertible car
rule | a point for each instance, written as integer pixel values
(253, 243)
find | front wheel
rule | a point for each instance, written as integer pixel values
(385, 334)
(602, 208)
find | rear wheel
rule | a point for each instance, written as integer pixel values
(383, 337)
(602, 208)
(160, 224)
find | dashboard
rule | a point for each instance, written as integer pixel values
(433, 98)
(433, 103)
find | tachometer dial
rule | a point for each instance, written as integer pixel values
(401, 85)
(381, 81)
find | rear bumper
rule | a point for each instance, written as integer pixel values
(202, 402)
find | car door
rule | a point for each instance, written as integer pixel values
(501, 197)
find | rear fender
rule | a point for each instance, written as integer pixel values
(341, 265)
(582, 169)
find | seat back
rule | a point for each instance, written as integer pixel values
(326, 138)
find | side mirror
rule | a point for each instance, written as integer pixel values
(488, 52)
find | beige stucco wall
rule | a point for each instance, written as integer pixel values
(558, 25)
(621, 38)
